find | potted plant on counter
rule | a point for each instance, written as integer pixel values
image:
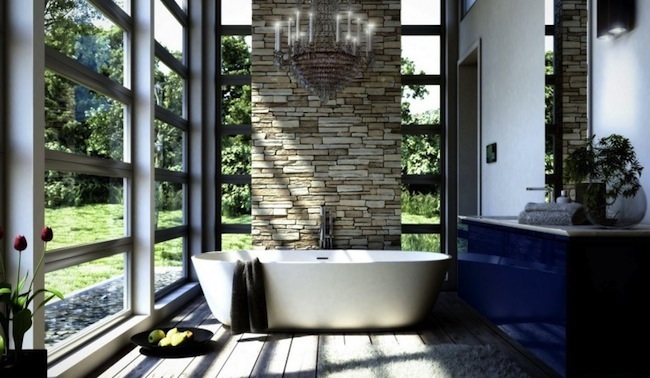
(16, 315)
(606, 173)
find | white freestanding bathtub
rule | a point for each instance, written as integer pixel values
(331, 289)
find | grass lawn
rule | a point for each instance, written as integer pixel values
(92, 223)
(420, 242)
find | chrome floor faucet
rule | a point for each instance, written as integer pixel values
(326, 228)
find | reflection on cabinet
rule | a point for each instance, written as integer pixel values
(572, 295)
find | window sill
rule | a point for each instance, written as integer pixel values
(89, 357)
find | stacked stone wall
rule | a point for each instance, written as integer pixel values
(571, 35)
(344, 154)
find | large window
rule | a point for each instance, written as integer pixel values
(421, 125)
(96, 126)
(87, 176)
(90, 162)
(553, 154)
(170, 145)
(2, 104)
(234, 126)
(422, 120)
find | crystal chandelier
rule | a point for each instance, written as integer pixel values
(327, 48)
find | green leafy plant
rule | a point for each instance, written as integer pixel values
(611, 161)
(606, 171)
(16, 300)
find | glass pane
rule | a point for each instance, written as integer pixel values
(236, 12)
(549, 16)
(236, 155)
(81, 121)
(549, 56)
(421, 104)
(81, 32)
(236, 55)
(420, 204)
(466, 6)
(92, 292)
(167, 30)
(418, 12)
(122, 4)
(235, 203)
(421, 154)
(236, 101)
(549, 166)
(169, 88)
(423, 51)
(169, 201)
(236, 218)
(169, 147)
(549, 99)
(168, 262)
(421, 242)
(235, 242)
(83, 209)
(182, 4)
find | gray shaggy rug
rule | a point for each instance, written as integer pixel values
(395, 360)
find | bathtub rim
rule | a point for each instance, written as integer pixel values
(266, 255)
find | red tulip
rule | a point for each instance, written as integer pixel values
(47, 234)
(20, 243)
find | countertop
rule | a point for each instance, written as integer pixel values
(641, 230)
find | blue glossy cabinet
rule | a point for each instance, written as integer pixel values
(574, 296)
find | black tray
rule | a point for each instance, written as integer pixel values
(191, 347)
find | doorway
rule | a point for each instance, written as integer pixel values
(469, 132)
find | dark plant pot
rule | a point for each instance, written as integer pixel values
(29, 363)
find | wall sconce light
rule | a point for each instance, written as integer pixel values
(614, 17)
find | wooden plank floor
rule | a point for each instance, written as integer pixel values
(294, 354)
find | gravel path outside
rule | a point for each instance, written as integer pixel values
(66, 317)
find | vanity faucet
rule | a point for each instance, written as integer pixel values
(548, 189)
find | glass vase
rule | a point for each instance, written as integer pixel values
(620, 212)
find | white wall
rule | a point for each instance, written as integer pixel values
(620, 87)
(511, 64)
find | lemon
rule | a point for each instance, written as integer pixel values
(171, 332)
(155, 336)
(178, 338)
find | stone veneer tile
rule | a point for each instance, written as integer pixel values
(344, 154)
(571, 23)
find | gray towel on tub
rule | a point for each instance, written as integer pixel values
(248, 304)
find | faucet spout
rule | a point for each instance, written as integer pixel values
(547, 189)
